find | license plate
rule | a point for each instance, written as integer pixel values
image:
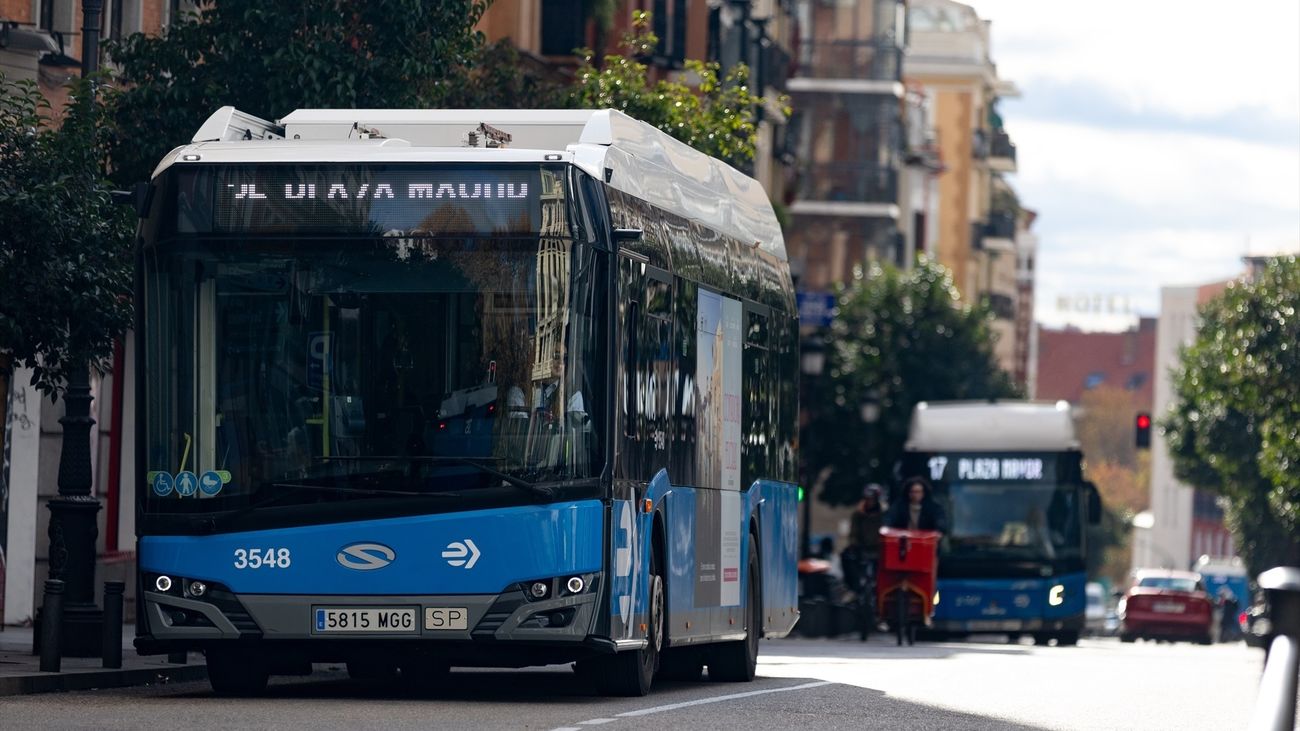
(393, 620)
(995, 624)
(449, 618)
(1168, 607)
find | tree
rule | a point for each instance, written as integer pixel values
(272, 58)
(902, 337)
(717, 117)
(65, 246)
(1121, 473)
(1235, 425)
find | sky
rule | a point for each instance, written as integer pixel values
(1158, 141)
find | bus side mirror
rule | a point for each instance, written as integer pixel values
(1094, 503)
(630, 235)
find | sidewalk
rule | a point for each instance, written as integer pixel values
(20, 669)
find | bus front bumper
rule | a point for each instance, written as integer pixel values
(173, 623)
(1036, 624)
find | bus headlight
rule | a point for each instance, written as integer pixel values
(163, 584)
(1056, 597)
(936, 597)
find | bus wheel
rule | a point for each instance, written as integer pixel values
(736, 662)
(632, 673)
(1067, 639)
(237, 673)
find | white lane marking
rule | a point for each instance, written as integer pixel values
(567, 728)
(597, 721)
(720, 698)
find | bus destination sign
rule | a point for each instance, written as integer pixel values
(976, 468)
(352, 200)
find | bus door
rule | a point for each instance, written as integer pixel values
(645, 382)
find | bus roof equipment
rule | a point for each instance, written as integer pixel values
(976, 426)
(629, 155)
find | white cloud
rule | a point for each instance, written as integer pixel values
(1184, 156)
(1169, 174)
(1194, 58)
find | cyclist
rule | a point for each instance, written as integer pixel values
(860, 556)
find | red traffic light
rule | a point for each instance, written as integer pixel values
(1142, 434)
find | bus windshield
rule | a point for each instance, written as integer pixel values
(1014, 519)
(430, 348)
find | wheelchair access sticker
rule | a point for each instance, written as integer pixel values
(162, 483)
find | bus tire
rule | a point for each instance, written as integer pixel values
(1067, 639)
(737, 661)
(632, 673)
(234, 673)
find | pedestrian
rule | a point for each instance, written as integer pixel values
(864, 536)
(918, 510)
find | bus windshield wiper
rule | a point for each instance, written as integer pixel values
(289, 489)
(533, 488)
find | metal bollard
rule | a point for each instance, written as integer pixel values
(112, 654)
(1275, 708)
(51, 626)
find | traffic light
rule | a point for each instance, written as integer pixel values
(1142, 433)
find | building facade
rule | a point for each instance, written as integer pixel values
(847, 93)
(980, 228)
(1183, 523)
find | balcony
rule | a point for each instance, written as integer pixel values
(857, 60)
(1002, 153)
(848, 183)
(998, 234)
(979, 144)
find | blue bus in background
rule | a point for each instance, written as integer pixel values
(1008, 476)
(428, 388)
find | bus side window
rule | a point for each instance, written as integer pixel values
(631, 331)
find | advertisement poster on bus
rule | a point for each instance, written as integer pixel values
(718, 373)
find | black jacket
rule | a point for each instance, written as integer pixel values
(931, 518)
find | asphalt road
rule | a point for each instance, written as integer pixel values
(803, 684)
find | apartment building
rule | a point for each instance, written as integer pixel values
(757, 33)
(848, 96)
(982, 233)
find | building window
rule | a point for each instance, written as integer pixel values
(46, 19)
(669, 19)
(1135, 381)
(1093, 380)
(563, 26)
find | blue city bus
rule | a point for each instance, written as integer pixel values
(425, 388)
(1009, 478)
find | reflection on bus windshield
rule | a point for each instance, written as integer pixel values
(1035, 519)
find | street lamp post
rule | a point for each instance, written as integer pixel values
(869, 411)
(74, 528)
(812, 359)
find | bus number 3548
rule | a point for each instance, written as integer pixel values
(255, 558)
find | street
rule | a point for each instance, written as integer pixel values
(823, 684)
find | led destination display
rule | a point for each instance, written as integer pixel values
(405, 201)
(968, 467)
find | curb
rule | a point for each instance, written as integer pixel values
(95, 679)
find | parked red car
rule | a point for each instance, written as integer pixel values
(1168, 605)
